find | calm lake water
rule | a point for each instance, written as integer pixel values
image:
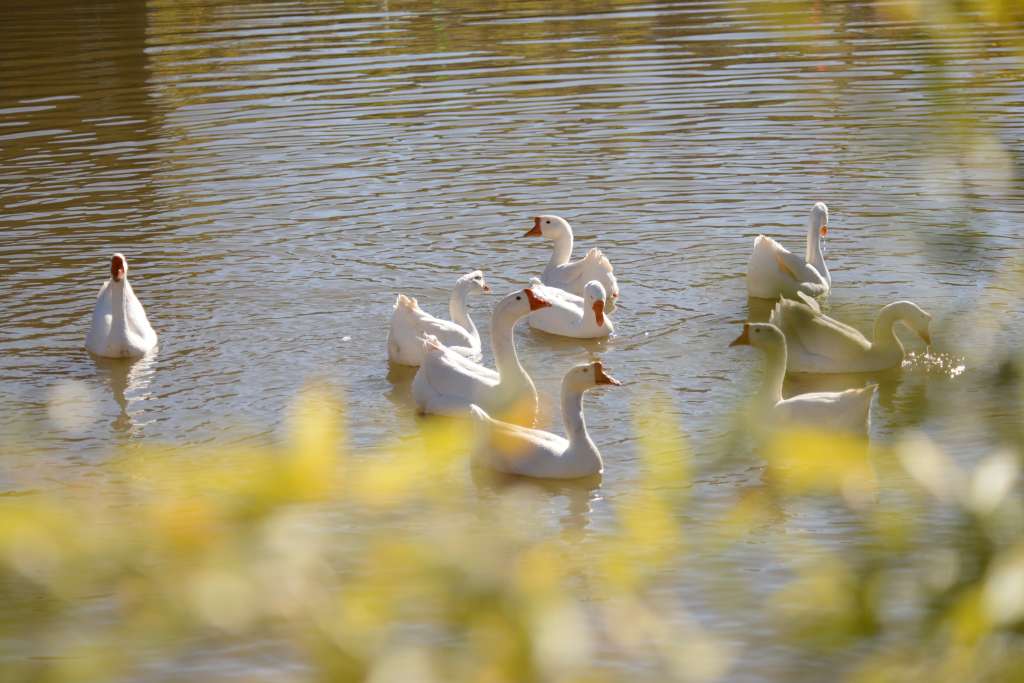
(277, 172)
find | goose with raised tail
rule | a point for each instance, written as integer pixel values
(527, 452)
(119, 328)
(848, 411)
(572, 316)
(447, 382)
(774, 271)
(573, 276)
(818, 343)
(410, 323)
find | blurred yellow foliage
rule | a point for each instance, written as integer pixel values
(385, 565)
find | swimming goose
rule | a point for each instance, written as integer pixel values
(448, 382)
(518, 450)
(843, 410)
(773, 271)
(570, 315)
(573, 276)
(409, 323)
(818, 343)
(119, 328)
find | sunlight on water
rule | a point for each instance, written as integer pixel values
(945, 364)
(71, 406)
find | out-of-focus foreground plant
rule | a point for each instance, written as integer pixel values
(395, 566)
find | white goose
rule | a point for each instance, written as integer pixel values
(818, 343)
(573, 276)
(570, 315)
(773, 271)
(448, 382)
(842, 410)
(528, 452)
(409, 324)
(119, 328)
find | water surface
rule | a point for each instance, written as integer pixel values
(277, 172)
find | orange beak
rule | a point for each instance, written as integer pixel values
(535, 230)
(601, 378)
(927, 337)
(536, 303)
(487, 289)
(599, 312)
(744, 338)
(824, 230)
(117, 268)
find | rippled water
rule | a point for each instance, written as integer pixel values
(277, 172)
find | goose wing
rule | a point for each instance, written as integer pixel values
(848, 409)
(102, 316)
(792, 264)
(135, 315)
(511, 448)
(811, 332)
(409, 320)
(575, 275)
(452, 375)
(555, 295)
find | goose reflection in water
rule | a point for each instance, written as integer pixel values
(579, 495)
(128, 380)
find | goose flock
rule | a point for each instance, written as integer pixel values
(577, 299)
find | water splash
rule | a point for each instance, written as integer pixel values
(935, 363)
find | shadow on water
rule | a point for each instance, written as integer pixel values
(803, 383)
(400, 378)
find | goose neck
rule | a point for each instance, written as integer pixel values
(562, 251)
(572, 412)
(575, 425)
(774, 374)
(119, 301)
(458, 311)
(504, 346)
(884, 332)
(814, 254)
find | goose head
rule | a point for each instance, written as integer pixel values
(914, 317)
(549, 226)
(764, 336)
(818, 222)
(589, 375)
(473, 282)
(519, 303)
(594, 298)
(118, 267)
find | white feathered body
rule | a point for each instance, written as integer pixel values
(512, 449)
(447, 383)
(573, 276)
(410, 323)
(567, 316)
(817, 343)
(847, 411)
(774, 271)
(119, 327)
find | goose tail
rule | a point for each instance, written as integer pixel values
(866, 394)
(405, 302)
(597, 257)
